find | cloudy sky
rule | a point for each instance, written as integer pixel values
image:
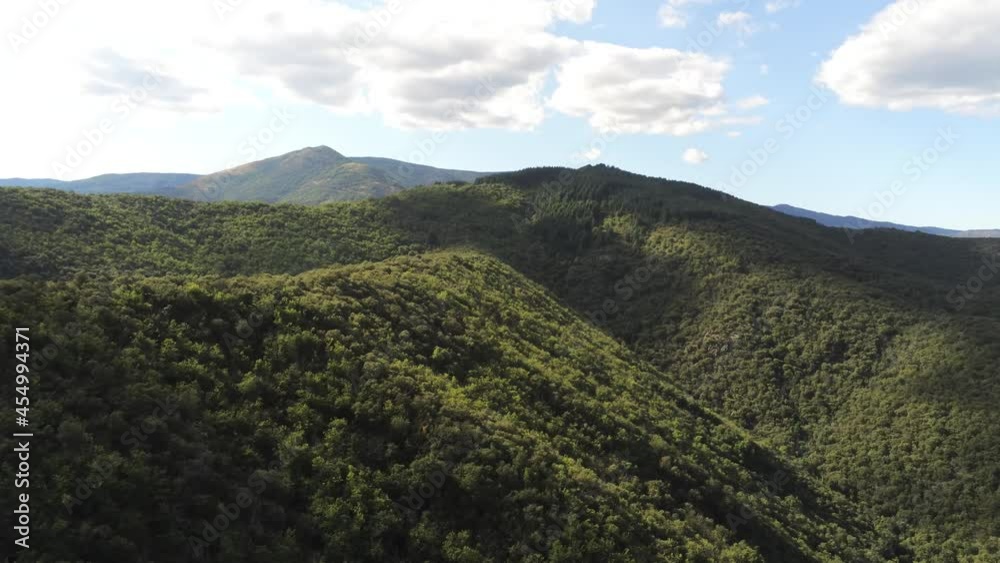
(885, 109)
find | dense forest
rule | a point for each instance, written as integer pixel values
(573, 365)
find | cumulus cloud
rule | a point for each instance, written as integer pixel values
(922, 54)
(695, 156)
(412, 63)
(651, 90)
(417, 65)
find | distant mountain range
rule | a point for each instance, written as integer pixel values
(141, 183)
(851, 222)
(317, 175)
(312, 175)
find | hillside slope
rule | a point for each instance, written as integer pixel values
(870, 362)
(313, 176)
(428, 408)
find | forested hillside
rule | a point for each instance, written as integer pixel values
(436, 407)
(868, 362)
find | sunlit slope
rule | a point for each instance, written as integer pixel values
(437, 407)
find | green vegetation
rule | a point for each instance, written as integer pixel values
(313, 176)
(844, 361)
(354, 389)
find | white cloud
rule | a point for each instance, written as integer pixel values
(765, 70)
(930, 54)
(419, 67)
(695, 156)
(412, 63)
(752, 102)
(576, 11)
(742, 22)
(591, 154)
(779, 5)
(734, 134)
(654, 90)
(671, 15)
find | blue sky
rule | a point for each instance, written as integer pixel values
(898, 132)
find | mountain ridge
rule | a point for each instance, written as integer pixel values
(310, 176)
(137, 182)
(857, 223)
(319, 174)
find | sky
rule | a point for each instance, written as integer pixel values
(876, 108)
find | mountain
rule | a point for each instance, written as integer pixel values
(851, 222)
(108, 183)
(620, 337)
(312, 176)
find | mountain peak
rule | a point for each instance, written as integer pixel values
(319, 150)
